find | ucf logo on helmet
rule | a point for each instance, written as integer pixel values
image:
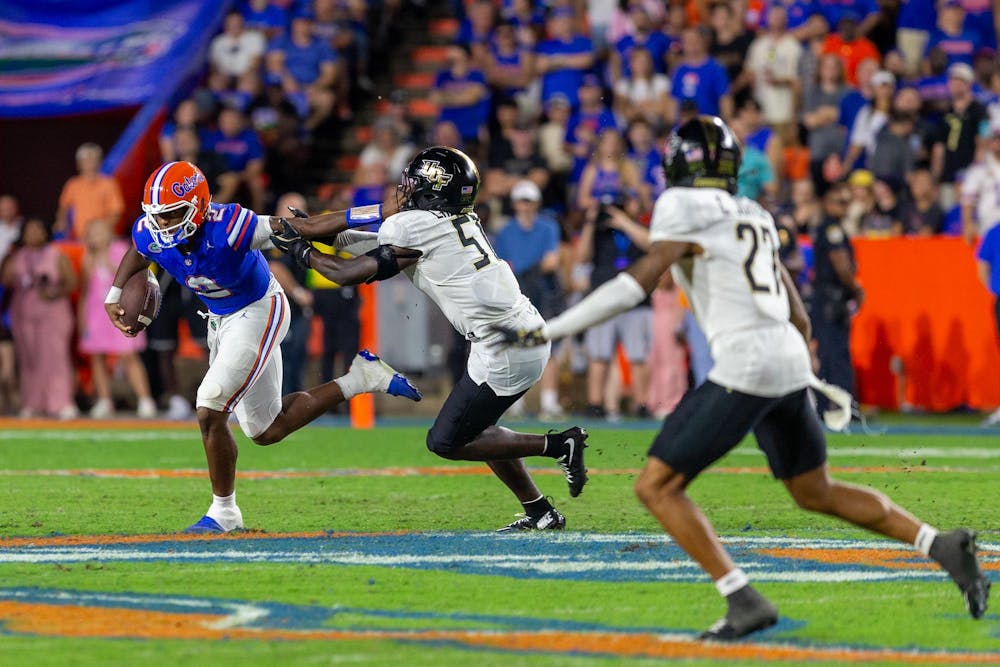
(435, 174)
(180, 188)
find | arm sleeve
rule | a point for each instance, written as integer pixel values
(355, 242)
(262, 234)
(619, 294)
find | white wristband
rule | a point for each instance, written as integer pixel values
(114, 294)
(621, 293)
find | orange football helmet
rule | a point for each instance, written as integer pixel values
(175, 186)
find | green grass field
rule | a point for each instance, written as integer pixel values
(363, 548)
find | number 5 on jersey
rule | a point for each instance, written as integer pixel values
(486, 254)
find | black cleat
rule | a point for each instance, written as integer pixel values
(749, 611)
(551, 520)
(956, 552)
(575, 440)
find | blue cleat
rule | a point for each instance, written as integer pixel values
(206, 524)
(380, 376)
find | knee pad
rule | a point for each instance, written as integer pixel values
(210, 395)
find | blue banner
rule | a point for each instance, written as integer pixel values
(62, 57)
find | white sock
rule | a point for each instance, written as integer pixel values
(550, 400)
(364, 377)
(731, 582)
(925, 538)
(350, 386)
(223, 502)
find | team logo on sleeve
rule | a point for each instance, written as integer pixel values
(435, 174)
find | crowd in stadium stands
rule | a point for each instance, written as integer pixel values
(858, 118)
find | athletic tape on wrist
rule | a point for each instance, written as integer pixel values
(114, 295)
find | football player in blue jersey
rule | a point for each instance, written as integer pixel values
(214, 249)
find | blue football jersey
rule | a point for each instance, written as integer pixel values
(223, 270)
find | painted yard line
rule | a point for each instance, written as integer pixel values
(496, 565)
(623, 557)
(42, 618)
(427, 471)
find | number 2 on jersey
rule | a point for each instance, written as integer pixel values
(486, 256)
(760, 236)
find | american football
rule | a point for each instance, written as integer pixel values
(140, 300)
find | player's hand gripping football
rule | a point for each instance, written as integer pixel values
(292, 244)
(522, 337)
(116, 313)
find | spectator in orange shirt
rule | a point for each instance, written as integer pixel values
(850, 47)
(89, 196)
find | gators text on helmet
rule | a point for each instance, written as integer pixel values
(178, 188)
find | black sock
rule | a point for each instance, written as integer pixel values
(555, 445)
(537, 508)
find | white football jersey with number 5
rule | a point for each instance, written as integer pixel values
(460, 272)
(735, 288)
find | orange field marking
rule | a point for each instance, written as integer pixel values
(893, 559)
(123, 623)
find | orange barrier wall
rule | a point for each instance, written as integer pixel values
(925, 304)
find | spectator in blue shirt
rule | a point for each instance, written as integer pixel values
(304, 66)
(529, 242)
(804, 19)
(461, 94)
(866, 12)
(649, 161)
(510, 64)
(477, 28)
(240, 147)
(914, 23)
(266, 17)
(701, 78)
(591, 118)
(951, 36)
(644, 36)
(563, 59)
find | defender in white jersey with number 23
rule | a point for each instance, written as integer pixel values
(723, 250)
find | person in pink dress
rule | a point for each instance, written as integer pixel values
(668, 357)
(41, 279)
(98, 336)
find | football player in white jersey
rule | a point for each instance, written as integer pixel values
(437, 241)
(723, 251)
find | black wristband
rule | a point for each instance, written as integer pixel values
(387, 264)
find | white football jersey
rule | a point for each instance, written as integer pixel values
(735, 288)
(460, 272)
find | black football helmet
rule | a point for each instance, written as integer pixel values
(439, 178)
(703, 153)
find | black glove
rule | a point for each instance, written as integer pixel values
(522, 337)
(297, 212)
(292, 244)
